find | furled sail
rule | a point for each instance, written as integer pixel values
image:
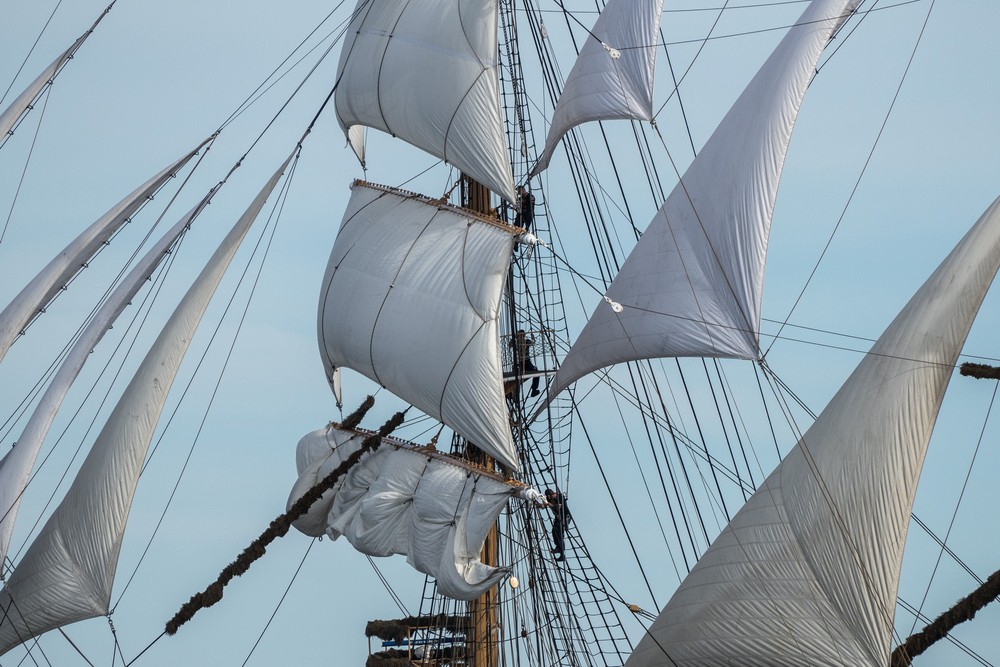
(408, 500)
(67, 573)
(53, 278)
(806, 573)
(692, 285)
(411, 300)
(613, 75)
(426, 72)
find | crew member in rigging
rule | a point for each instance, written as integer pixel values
(557, 503)
(520, 345)
(525, 209)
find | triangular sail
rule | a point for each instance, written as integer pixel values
(67, 573)
(16, 466)
(408, 500)
(613, 75)
(54, 277)
(426, 72)
(806, 573)
(692, 285)
(411, 300)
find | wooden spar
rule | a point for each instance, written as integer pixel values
(483, 611)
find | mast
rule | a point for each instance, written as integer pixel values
(483, 611)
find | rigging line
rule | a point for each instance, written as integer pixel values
(149, 646)
(725, 431)
(694, 59)
(24, 172)
(31, 50)
(864, 169)
(260, 89)
(281, 600)
(128, 262)
(273, 218)
(77, 648)
(614, 503)
(962, 647)
(388, 587)
(653, 504)
(958, 503)
(147, 301)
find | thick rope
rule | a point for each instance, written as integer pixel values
(964, 610)
(279, 527)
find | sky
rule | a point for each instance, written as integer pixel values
(157, 78)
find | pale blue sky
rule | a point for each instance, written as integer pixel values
(157, 78)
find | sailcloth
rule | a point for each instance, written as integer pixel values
(57, 273)
(16, 466)
(411, 300)
(426, 72)
(408, 500)
(613, 75)
(67, 573)
(692, 285)
(806, 573)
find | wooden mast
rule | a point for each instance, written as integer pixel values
(483, 611)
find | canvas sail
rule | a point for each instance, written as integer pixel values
(613, 75)
(54, 277)
(807, 571)
(67, 573)
(411, 300)
(692, 285)
(426, 72)
(16, 466)
(408, 500)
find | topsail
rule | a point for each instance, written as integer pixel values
(692, 285)
(613, 75)
(806, 573)
(426, 72)
(411, 299)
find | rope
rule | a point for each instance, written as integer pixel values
(278, 527)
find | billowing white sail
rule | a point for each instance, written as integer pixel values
(613, 75)
(16, 466)
(692, 285)
(426, 72)
(50, 280)
(806, 573)
(408, 500)
(411, 300)
(67, 573)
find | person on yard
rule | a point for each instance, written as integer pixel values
(520, 345)
(557, 503)
(525, 209)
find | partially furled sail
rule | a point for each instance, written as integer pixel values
(408, 500)
(426, 72)
(411, 300)
(613, 75)
(806, 573)
(57, 273)
(67, 573)
(692, 285)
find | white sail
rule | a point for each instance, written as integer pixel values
(54, 277)
(613, 75)
(67, 573)
(692, 285)
(806, 573)
(408, 500)
(16, 466)
(411, 300)
(13, 113)
(426, 72)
